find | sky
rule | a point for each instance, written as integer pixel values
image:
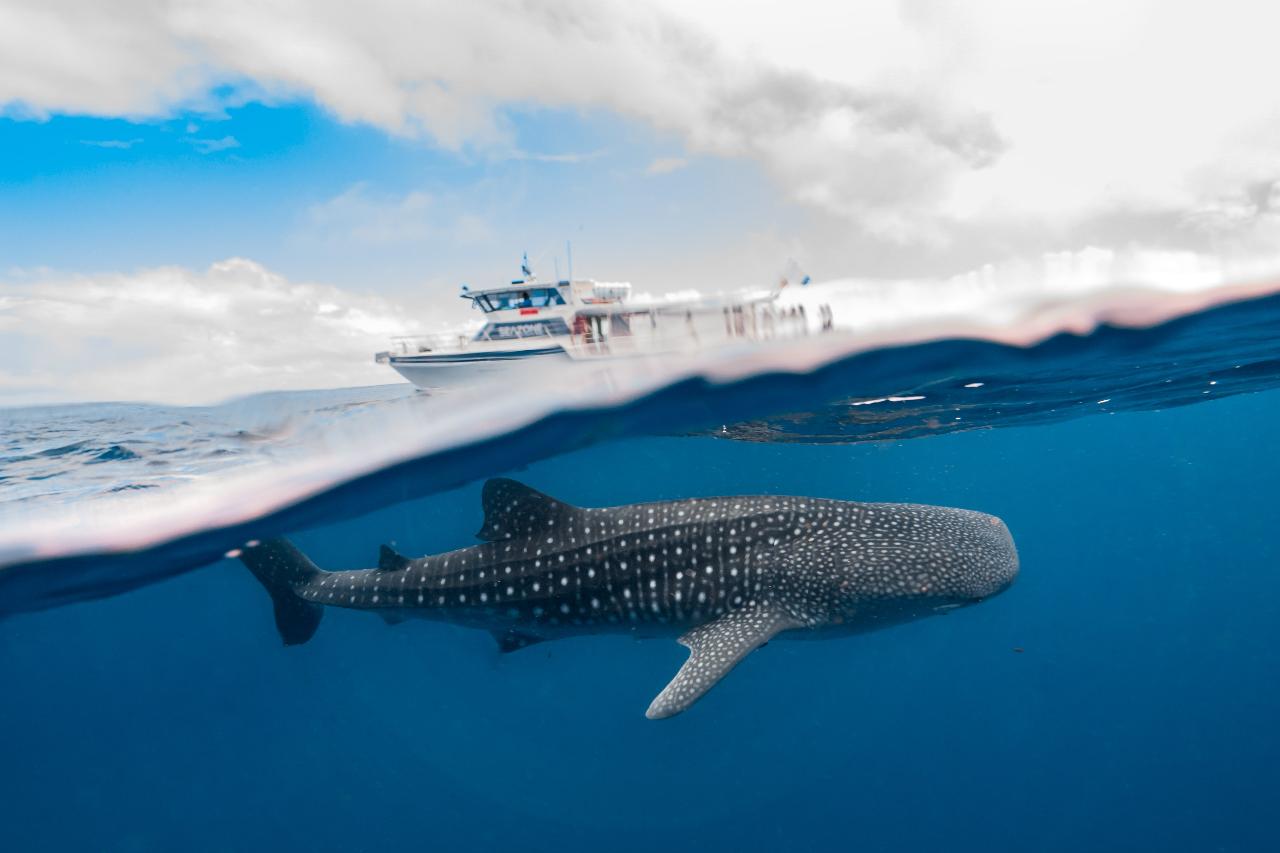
(202, 199)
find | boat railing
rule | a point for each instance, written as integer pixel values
(418, 344)
(668, 329)
(450, 342)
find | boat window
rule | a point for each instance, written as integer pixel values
(533, 297)
(619, 324)
(533, 329)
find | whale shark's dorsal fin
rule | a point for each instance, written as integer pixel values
(513, 511)
(714, 649)
(391, 561)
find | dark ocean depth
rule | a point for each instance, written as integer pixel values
(1121, 696)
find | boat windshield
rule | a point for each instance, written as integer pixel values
(533, 297)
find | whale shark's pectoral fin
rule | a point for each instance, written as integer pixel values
(714, 649)
(513, 510)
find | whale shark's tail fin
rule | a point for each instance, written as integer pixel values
(280, 567)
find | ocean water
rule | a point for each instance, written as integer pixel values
(1121, 695)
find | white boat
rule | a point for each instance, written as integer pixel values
(529, 323)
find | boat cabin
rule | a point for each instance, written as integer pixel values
(524, 297)
(528, 308)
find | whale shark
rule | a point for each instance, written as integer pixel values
(724, 575)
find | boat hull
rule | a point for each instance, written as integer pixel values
(434, 372)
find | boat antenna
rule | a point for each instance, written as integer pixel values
(568, 245)
(557, 263)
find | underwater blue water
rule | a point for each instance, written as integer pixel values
(1121, 696)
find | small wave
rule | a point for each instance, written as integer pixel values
(76, 447)
(114, 453)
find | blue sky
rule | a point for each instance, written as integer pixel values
(89, 194)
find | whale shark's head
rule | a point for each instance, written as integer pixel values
(985, 559)
(912, 560)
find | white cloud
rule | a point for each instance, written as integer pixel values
(177, 335)
(121, 144)
(1134, 111)
(666, 165)
(212, 146)
(363, 216)
(569, 157)
(102, 59)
